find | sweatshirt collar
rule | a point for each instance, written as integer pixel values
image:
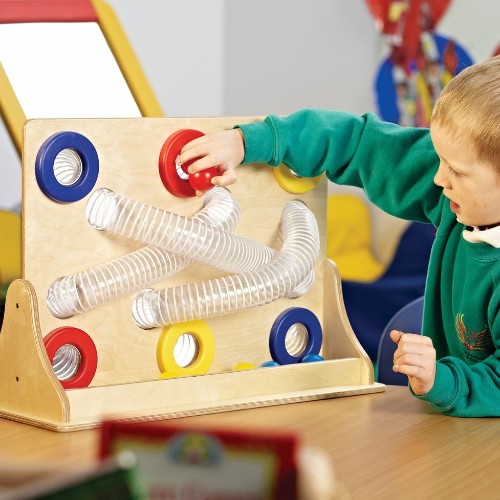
(490, 236)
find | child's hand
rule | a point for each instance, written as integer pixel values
(224, 150)
(416, 358)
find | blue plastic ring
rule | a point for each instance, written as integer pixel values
(283, 323)
(44, 167)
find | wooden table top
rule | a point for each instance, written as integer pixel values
(381, 445)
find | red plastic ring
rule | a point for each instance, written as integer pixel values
(166, 163)
(85, 345)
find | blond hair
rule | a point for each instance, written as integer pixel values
(469, 108)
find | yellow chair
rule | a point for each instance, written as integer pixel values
(10, 247)
(349, 239)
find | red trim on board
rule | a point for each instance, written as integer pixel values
(46, 11)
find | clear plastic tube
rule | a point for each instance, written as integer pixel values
(287, 269)
(130, 273)
(188, 236)
(66, 362)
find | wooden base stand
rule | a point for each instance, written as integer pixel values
(32, 394)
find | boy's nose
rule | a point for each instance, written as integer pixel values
(441, 178)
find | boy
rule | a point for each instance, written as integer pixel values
(448, 175)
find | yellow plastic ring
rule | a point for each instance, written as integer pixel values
(292, 183)
(166, 344)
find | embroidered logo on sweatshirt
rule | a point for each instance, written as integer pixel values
(478, 343)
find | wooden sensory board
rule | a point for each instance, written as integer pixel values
(58, 241)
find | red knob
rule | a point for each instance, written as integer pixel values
(202, 181)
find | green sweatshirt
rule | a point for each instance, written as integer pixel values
(395, 166)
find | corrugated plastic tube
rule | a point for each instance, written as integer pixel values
(179, 234)
(290, 267)
(187, 236)
(142, 268)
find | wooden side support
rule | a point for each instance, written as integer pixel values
(341, 341)
(30, 389)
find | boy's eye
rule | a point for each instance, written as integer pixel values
(452, 172)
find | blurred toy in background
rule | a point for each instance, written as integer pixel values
(420, 62)
(402, 22)
(174, 461)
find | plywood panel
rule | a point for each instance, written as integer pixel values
(58, 241)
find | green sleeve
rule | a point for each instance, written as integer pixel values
(466, 391)
(394, 165)
(463, 390)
